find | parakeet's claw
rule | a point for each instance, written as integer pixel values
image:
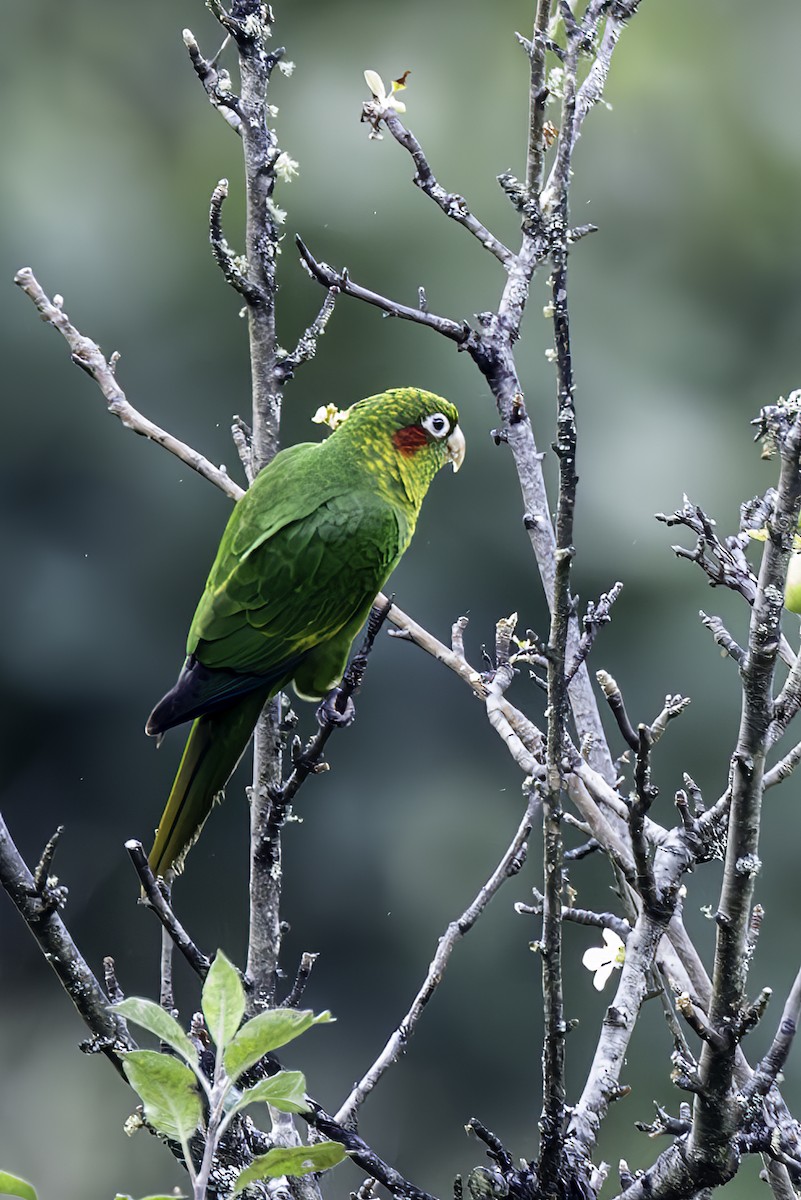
(336, 710)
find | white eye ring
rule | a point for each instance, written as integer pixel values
(437, 424)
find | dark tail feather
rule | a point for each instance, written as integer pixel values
(215, 745)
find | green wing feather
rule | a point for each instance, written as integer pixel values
(277, 606)
(263, 609)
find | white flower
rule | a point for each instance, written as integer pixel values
(376, 109)
(286, 168)
(329, 414)
(376, 86)
(286, 67)
(603, 960)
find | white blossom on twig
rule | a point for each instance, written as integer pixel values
(383, 101)
(603, 960)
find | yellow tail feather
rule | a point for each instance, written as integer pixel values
(215, 745)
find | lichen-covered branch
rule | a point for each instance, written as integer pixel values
(710, 1142)
(452, 205)
(38, 903)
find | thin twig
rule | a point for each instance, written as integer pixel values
(783, 768)
(216, 83)
(538, 95)
(644, 793)
(550, 1166)
(714, 1121)
(722, 637)
(198, 961)
(767, 1071)
(166, 990)
(361, 1153)
(109, 1032)
(452, 205)
(614, 698)
(233, 267)
(41, 874)
(305, 967)
(596, 615)
(508, 866)
(528, 754)
(308, 760)
(329, 278)
(88, 355)
(307, 342)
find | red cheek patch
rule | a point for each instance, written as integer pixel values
(409, 440)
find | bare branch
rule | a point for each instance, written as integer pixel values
(591, 90)
(784, 767)
(88, 355)
(360, 1153)
(722, 637)
(309, 759)
(645, 793)
(614, 698)
(529, 754)
(217, 84)
(305, 968)
(538, 95)
(307, 343)
(713, 1118)
(767, 1071)
(156, 900)
(233, 268)
(452, 205)
(674, 707)
(109, 1033)
(698, 1022)
(596, 615)
(459, 333)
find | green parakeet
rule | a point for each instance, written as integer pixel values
(300, 562)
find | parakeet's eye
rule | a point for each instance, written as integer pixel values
(436, 424)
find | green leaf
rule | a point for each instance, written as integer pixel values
(172, 1196)
(223, 1000)
(290, 1160)
(284, 1091)
(267, 1032)
(167, 1088)
(12, 1185)
(153, 1018)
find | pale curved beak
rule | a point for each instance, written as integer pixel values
(456, 447)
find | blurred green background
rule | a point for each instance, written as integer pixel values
(686, 309)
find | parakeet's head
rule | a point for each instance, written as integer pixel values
(408, 432)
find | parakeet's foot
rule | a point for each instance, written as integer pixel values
(333, 711)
